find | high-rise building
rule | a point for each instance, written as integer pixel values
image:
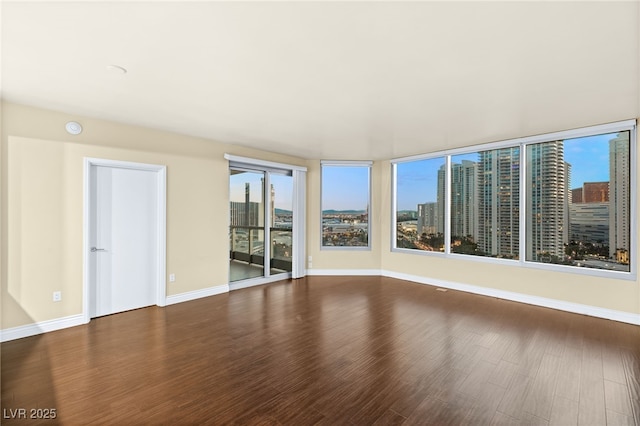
(243, 214)
(498, 195)
(272, 203)
(546, 201)
(464, 206)
(591, 192)
(576, 195)
(595, 192)
(589, 222)
(619, 194)
(440, 201)
(427, 218)
(248, 213)
(589, 213)
(566, 221)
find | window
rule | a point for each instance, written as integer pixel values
(578, 202)
(345, 204)
(563, 200)
(420, 204)
(485, 203)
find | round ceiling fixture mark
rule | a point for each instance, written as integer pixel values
(73, 128)
(116, 69)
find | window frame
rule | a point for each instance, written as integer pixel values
(299, 174)
(347, 163)
(620, 126)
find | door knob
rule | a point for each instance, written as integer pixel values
(97, 249)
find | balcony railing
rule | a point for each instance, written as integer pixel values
(247, 245)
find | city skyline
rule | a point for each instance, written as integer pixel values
(417, 180)
(283, 185)
(582, 223)
(418, 184)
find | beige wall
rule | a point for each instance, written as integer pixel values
(42, 206)
(41, 217)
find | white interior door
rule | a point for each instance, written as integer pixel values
(123, 239)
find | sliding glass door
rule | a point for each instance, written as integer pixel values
(261, 223)
(281, 228)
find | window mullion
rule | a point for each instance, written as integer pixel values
(447, 206)
(522, 229)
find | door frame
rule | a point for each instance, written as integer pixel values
(161, 231)
(298, 174)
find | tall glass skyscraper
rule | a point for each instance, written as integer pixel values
(499, 202)
(546, 201)
(619, 194)
(464, 205)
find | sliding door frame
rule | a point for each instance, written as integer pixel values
(298, 175)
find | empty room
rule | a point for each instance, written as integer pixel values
(333, 213)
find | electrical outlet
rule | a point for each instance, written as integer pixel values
(57, 296)
(172, 278)
(310, 259)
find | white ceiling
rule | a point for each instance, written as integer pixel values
(333, 80)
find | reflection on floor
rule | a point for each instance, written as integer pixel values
(239, 270)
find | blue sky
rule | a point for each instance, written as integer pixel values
(588, 156)
(345, 188)
(283, 186)
(589, 159)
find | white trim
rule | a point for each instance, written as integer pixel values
(345, 272)
(40, 327)
(161, 278)
(618, 126)
(161, 290)
(368, 165)
(252, 282)
(522, 205)
(425, 252)
(593, 272)
(560, 305)
(594, 311)
(393, 239)
(255, 162)
(86, 213)
(267, 206)
(633, 198)
(346, 163)
(447, 204)
(345, 248)
(196, 294)
(299, 254)
(298, 175)
(522, 144)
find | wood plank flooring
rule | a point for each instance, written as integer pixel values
(331, 351)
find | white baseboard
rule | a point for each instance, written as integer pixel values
(41, 327)
(560, 305)
(594, 311)
(197, 294)
(252, 282)
(346, 272)
(74, 320)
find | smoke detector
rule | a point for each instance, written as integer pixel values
(73, 128)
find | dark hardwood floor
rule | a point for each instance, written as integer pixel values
(331, 351)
